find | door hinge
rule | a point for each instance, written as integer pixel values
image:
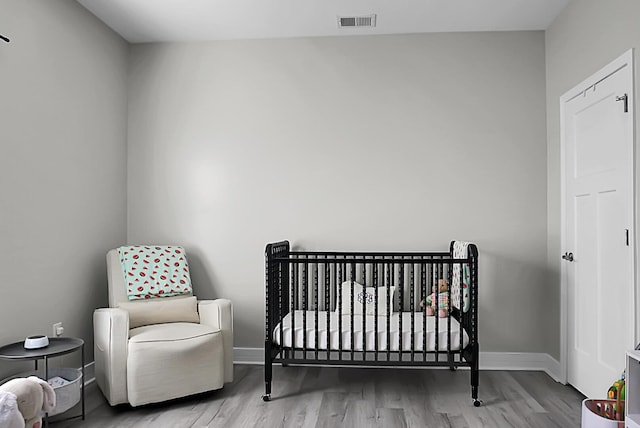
(624, 98)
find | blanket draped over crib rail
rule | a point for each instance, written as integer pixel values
(356, 308)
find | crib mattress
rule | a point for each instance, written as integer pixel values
(391, 339)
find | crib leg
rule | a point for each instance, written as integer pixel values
(475, 378)
(267, 392)
(474, 396)
(268, 374)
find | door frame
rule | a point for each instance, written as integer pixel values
(625, 60)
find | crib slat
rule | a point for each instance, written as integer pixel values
(449, 273)
(351, 310)
(401, 286)
(364, 313)
(315, 304)
(340, 270)
(434, 286)
(304, 309)
(423, 288)
(389, 303)
(413, 314)
(461, 306)
(327, 307)
(294, 306)
(280, 306)
(375, 321)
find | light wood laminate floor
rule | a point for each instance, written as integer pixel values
(354, 397)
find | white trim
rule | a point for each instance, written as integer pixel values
(89, 373)
(521, 361)
(248, 355)
(563, 242)
(624, 60)
(488, 360)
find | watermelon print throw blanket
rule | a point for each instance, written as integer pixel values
(155, 271)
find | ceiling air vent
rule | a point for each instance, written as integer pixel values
(356, 21)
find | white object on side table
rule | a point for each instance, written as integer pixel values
(36, 342)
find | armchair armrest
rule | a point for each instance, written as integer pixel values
(219, 314)
(111, 333)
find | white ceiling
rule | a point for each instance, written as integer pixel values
(198, 20)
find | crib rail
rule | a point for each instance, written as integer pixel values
(309, 294)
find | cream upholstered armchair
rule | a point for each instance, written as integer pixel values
(160, 348)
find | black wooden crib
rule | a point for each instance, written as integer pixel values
(366, 309)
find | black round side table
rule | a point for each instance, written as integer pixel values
(57, 346)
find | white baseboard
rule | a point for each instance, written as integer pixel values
(488, 360)
(248, 355)
(89, 372)
(536, 361)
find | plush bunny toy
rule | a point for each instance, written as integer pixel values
(10, 416)
(32, 396)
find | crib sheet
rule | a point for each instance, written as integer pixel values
(294, 334)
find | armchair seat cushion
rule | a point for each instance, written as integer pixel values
(167, 361)
(169, 332)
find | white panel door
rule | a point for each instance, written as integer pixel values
(598, 235)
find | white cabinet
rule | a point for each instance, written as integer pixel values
(632, 401)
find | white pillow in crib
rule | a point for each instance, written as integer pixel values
(366, 294)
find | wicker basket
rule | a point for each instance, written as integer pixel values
(602, 413)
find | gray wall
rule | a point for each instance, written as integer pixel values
(359, 143)
(586, 36)
(63, 115)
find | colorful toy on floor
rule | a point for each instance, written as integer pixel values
(617, 389)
